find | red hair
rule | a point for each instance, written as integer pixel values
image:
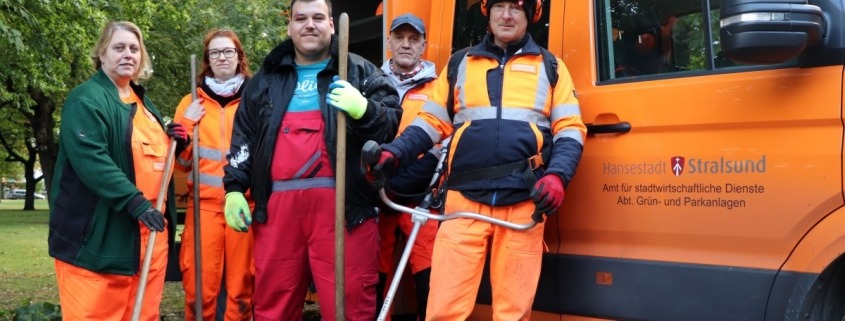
(205, 68)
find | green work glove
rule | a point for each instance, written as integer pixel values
(345, 97)
(237, 211)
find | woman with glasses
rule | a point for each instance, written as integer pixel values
(227, 264)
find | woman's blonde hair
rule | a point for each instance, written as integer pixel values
(145, 69)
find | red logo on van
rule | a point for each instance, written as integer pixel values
(677, 165)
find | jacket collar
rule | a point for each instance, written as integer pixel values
(283, 56)
(104, 81)
(526, 45)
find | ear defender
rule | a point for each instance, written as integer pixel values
(538, 8)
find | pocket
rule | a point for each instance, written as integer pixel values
(305, 136)
(155, 155)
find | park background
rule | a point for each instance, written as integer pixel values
(46, 45)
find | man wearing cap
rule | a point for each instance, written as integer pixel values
(414, 79)
(515, 139)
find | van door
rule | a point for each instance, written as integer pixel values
(699, 175)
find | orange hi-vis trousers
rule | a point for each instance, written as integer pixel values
(458, 261)
(87, 295)
(226, 262)
(420, 258)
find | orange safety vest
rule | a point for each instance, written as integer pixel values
(215, 136)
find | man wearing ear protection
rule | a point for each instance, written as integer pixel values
(516, 138)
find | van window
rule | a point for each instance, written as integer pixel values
(471, 25)
(648, 37)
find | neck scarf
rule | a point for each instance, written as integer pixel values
(227, 88)
(406, 75)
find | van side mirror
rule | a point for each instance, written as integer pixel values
(768, 31)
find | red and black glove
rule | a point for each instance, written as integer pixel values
(179, 133)
(374, 162)
(548, 195)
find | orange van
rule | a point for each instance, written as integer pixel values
(711, 184)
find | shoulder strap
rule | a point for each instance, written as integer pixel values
(551, 67)
(452, 75)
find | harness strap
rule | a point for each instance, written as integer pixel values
(526, 167)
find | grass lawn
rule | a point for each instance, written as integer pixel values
(26, 270)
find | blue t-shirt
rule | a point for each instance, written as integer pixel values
(305, 97)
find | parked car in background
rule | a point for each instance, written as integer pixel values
(21, 194)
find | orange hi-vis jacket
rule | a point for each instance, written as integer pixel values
(505, 112)
(214, 141)
(413, 103)
(414, 178)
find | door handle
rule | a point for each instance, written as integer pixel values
(620, 128)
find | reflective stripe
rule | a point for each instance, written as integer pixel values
(543, 88)
(509, 113)
(565, 111)
(460, 83)
(184, 163)
(308, 164)
(570, 133)
(432, 132)
(210, 154)
(208, 179)
(437, 110)
(298, 184)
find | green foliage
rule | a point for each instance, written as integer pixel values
(49, 43)
(176, 32)
(42, 311)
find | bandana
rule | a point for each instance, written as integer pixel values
(406, 75)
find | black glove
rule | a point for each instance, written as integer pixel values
(153, 219)
(178, 132)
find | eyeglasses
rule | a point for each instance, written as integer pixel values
(512, 8)
(228, 53)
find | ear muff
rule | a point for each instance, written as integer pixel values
(538, 8)
(647, 40)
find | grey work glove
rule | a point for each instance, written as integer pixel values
(153, 219)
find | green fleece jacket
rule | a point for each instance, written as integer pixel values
(93, 199)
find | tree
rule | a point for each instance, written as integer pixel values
(56, 39)
(13, 36)
(50, 44)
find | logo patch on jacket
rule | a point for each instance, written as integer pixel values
(420, 97)
(524, 68)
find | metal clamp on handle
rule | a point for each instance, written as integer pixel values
(450, 216)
